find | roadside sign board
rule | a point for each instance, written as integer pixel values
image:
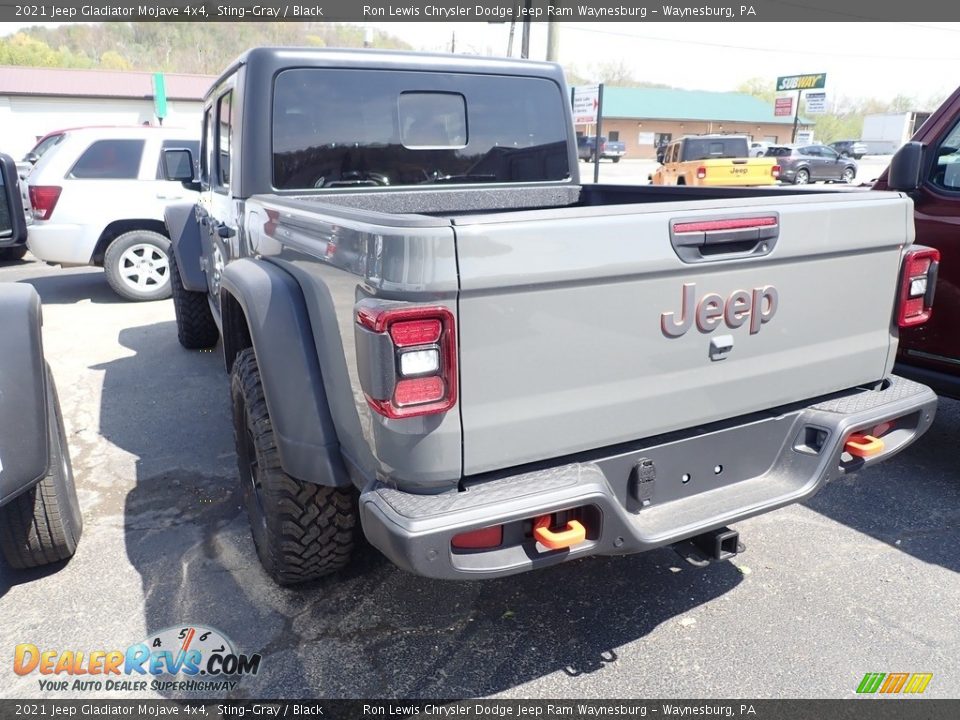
(159, 96)
(783, 107)
(816, 103)
(586, 102)
(802, 82)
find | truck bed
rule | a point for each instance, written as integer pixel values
(450, 202)
(579, 309)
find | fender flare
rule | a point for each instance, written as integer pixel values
(279, 330)
(184, 232)
(24, 444)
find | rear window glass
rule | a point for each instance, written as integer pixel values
(343, 128)
(192, 145)
(713, 148)
(778, 151)
(110, 160)
(432, 120)
(48, 142)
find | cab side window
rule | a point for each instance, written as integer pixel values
(224, 131)
(206, 149)
(945, 170)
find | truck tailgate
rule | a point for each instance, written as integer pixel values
(745, 171)
(567, 342)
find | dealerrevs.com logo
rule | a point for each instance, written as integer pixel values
(192, 658)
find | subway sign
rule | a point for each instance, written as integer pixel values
(802, 82)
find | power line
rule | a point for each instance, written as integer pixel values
(749, 48)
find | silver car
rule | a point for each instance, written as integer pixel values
(802, 164)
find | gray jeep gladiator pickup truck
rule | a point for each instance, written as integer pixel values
(435, 333)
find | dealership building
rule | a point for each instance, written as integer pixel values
(642, 118)
(35, 101)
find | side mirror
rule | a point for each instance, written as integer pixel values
(31, 157)
(178, 165)
(904, 172)
(13, 223)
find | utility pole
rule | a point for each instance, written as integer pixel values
(513, 27)
(553, 39)
(453, 42)
(525, 37)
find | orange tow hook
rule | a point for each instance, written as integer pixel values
(863, 446)
(573, 534)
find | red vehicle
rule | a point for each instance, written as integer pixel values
(930, 353)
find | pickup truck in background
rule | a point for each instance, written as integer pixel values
(714, 161)
(442, 339)
(609, 149)
(931, 352)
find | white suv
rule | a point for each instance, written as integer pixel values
(98, 198)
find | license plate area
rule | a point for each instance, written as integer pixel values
(677, 468)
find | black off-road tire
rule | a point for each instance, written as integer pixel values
(114, 261)
(616, 160)
(12, 254)
(302, 531)
(43, 524)
(196, 328)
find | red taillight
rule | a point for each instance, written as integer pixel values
(917, 286)
(417, 391)
(775, 171)
(701, 172)
(415, 332)
(422, 344)
(482, 539)
(44, 198)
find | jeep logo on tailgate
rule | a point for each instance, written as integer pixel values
(758, 307)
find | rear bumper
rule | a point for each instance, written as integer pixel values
(940, 381)
(66, 244)
(649, 494)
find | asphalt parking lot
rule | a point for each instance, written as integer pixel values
(863, 578)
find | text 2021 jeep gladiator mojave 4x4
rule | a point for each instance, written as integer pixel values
(436, 334)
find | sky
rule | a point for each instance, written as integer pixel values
(880, 60)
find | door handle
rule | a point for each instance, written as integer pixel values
(704, 239)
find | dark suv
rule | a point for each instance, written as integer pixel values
(802, 164)
(850, 148)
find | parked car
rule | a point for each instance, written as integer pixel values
(98, 197)
(609, 149)
(465, 379)
(40, 519)
(713, 160)
(36, 152)
(802, 164)
(758, 148)
(850, 148)
(930, 352)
